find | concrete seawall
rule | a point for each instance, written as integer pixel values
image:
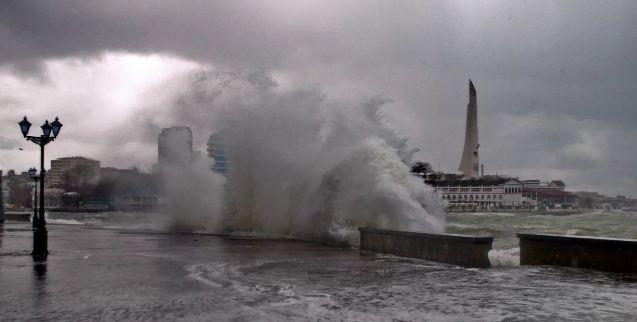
(460, 250)
(17, 216)
(605, 254)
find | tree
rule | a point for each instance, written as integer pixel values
(20, 194)
(421, 169)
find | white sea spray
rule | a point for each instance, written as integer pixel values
(301, 165)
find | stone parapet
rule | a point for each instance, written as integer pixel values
(605, 254)
(469, 251)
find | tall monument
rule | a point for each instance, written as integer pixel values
(470, 163)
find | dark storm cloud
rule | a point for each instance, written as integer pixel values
(225, 31)
(556, 80)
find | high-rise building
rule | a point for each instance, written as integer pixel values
(174, 147)
(218, 151)
(470, 162)
(75, 170)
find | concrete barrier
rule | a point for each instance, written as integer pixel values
(605, 254)
(460, 250)
(17, 216)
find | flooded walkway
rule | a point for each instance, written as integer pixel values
(100, 274)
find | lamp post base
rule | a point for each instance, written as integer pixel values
(40, 247)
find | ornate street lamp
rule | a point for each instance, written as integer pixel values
(33, 174)
(56, 126)
(25, 125)
(40, 249)
(1, 203)
(46, 128)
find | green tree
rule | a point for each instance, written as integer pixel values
(421, 169)
(20, 194)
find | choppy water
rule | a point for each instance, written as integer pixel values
(100, 274)
(504, 227)
(501, 225)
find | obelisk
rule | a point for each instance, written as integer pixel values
(470, 163)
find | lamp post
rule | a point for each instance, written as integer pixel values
(33, 173)
(40, 249)
(1, 201)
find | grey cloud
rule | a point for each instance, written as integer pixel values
(567, 67)
(8, 143)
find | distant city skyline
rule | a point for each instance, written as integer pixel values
(556, 79)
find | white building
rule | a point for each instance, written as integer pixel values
(472, 197)
(73, 170)
(469, 195)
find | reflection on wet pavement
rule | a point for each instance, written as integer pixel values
(107, 274)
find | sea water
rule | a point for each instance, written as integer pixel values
(115, 274)
(502, 226)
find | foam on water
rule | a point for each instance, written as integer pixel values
(272, 297)
(505, 257)
(63, 221)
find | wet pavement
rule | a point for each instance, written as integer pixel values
(102, 274)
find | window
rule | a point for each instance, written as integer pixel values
(500, 197)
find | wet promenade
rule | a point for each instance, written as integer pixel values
(100, 274)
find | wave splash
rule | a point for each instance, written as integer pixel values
(301, 166)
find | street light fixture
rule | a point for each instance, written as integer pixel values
(46, 128)
(25, 125)
(56, 127)
(40, 250)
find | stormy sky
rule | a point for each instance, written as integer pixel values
(556, 80)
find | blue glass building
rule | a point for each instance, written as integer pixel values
(218, 151)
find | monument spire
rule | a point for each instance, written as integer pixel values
(470, 163)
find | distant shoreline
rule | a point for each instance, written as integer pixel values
(530, 212)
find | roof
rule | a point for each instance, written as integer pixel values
(558, 183)
(463, 183)
(549, 193)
